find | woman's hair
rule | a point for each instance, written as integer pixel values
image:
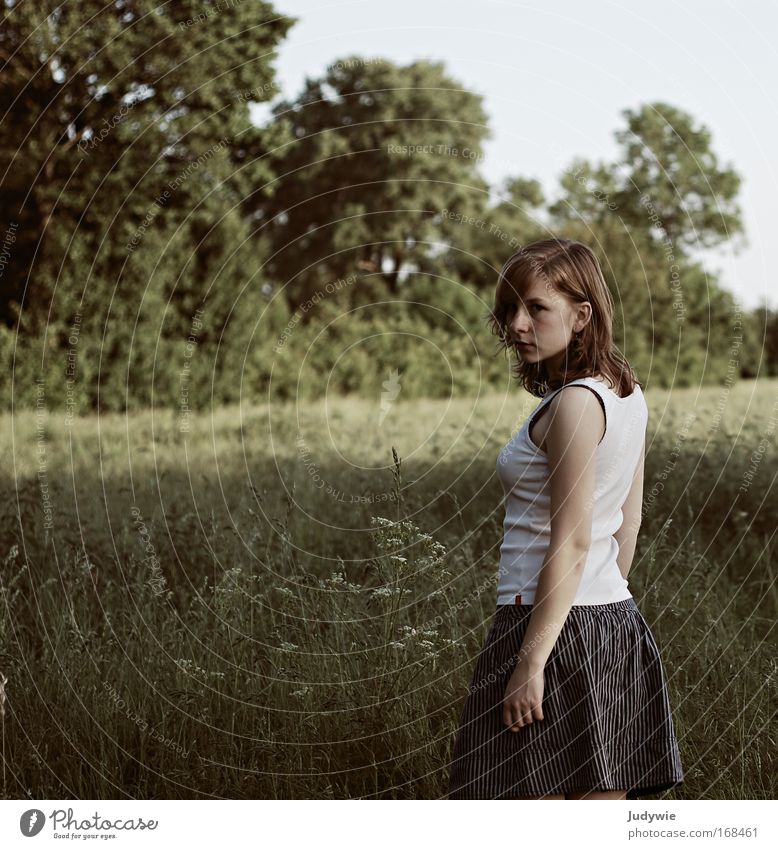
(569, 268)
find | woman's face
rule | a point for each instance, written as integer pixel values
(542, 323)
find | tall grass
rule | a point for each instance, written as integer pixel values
(205, 618)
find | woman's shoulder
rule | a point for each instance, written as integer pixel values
(600, 381)
(579, 404)
(616, 409)
(603, 389)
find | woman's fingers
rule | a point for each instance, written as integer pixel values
(508, 714)
(523, 700)
(516, 716)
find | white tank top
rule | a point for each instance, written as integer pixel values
(524, 473)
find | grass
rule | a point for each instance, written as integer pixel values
(276, 605)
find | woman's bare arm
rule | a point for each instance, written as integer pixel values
(627, 534)
(577, 423)
(576, 426)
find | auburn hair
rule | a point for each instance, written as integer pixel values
(568, 268)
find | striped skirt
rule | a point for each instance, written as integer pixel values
(607, 722)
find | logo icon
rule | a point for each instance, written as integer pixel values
(389, 395)
(31, 822)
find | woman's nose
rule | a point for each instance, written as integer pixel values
(520, 324)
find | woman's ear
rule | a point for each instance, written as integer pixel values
(583, 316)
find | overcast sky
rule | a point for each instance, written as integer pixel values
(556, 74)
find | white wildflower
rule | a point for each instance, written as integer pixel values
(189, 666)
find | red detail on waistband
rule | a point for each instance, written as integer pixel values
(517, 600)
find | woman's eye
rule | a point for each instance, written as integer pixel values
(512, 307)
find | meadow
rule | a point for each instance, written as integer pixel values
(286, 600)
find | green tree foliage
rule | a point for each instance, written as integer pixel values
(379, 150)
(643, 215)
(125, 155)
(669, 159)
(159, 247)
(763, 342)
(482, 235)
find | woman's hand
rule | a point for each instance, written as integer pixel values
(523, 702)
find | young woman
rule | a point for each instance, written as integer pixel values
(568, 698)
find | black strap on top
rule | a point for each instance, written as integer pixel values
(542, 409)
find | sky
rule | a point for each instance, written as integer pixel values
(556, 75)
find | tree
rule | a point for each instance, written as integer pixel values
(126, 153)
(642, 215)
(669, 162)
(762, 341)
(378, 152)
(476, 239)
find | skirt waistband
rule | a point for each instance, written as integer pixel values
(515, 610)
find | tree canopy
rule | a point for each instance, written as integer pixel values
(160, 246)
